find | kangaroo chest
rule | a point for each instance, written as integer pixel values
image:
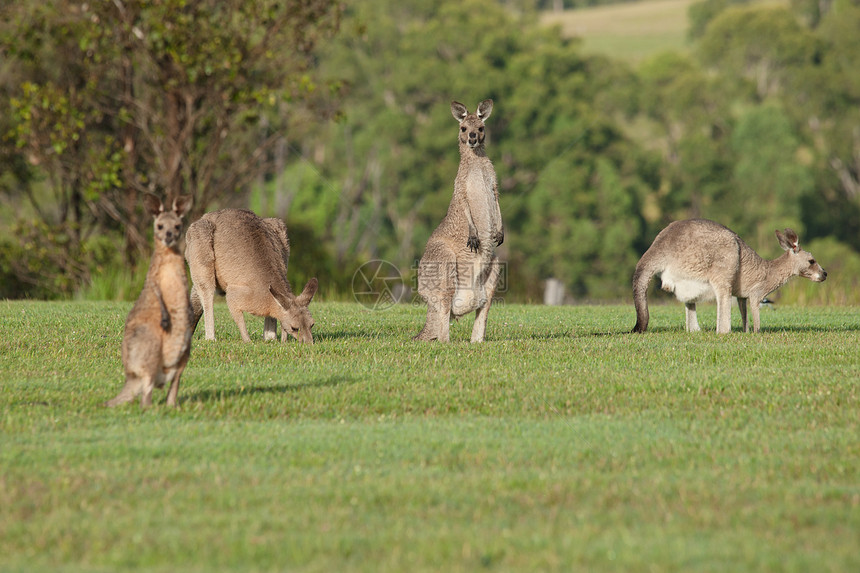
(172, 280)
(479, 182)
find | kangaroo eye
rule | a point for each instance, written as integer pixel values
(463, 128)
(481, 129)
(811, 261)
(294, 328)
(160, 226)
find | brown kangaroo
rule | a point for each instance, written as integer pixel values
(700, 260)
(459, 270)
(157, 339)
(245, 256)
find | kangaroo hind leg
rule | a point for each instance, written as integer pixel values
(492, 272)
(692, 320)
(238, 299)
(128, 393)
(436, 285)
(200, 254)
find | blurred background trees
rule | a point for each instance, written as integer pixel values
(108, 100)
(336, 118)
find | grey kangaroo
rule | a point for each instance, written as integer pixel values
(235, 252)
(700, 260)
(459, 270)
(157, 339)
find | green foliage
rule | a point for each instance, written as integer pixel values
(392, 159)
(701, 13)
(47, 262)
(562, 443)
(113, 282)
(755, 127)
(759, 44)
(768, 172)
(692, 120)
(842, 286)
(109, 100)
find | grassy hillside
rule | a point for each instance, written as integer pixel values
(630, 31)
(563, 443)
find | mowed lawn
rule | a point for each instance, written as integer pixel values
(562, 443)
(628, 31)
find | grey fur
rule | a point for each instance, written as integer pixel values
(459, 269)
(700, 260)
(245, 256)
(157, 339)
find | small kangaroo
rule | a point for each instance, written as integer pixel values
(233, 251)
(157, 339)
(700, 260)
(459, 270)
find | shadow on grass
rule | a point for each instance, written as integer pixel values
(342, 334)
(219, 394)
(738, 330)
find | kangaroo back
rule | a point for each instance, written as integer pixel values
(700, 260)
(246, 257)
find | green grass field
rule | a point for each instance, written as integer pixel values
(629, 31)
(562, 443)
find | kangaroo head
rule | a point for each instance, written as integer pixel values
(168, 224)
(803, 263)
(472, 124)
(296, 317)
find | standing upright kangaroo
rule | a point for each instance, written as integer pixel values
(245, 256)
(157, 339)
(700, 260)
(459, 270)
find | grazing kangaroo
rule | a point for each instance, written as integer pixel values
(235, 252)
(459, 270)
(157, 339)
(700, 260)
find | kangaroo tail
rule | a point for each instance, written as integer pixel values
(641, 279)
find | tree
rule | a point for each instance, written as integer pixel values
(174, 96)
(692, 124)
(769, 176)
(389, 164)
(759, 43)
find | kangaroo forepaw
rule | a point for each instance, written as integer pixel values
(473, 243)
(499, 238)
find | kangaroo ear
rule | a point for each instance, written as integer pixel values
(308, 293)
(283, 302)
(458, 110)
(181, 205)
(153, 204)
(485, 108)
(788, 240)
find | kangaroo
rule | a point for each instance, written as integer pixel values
(157, 339)
(700, 260)
(459, 270)
(233, 251)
